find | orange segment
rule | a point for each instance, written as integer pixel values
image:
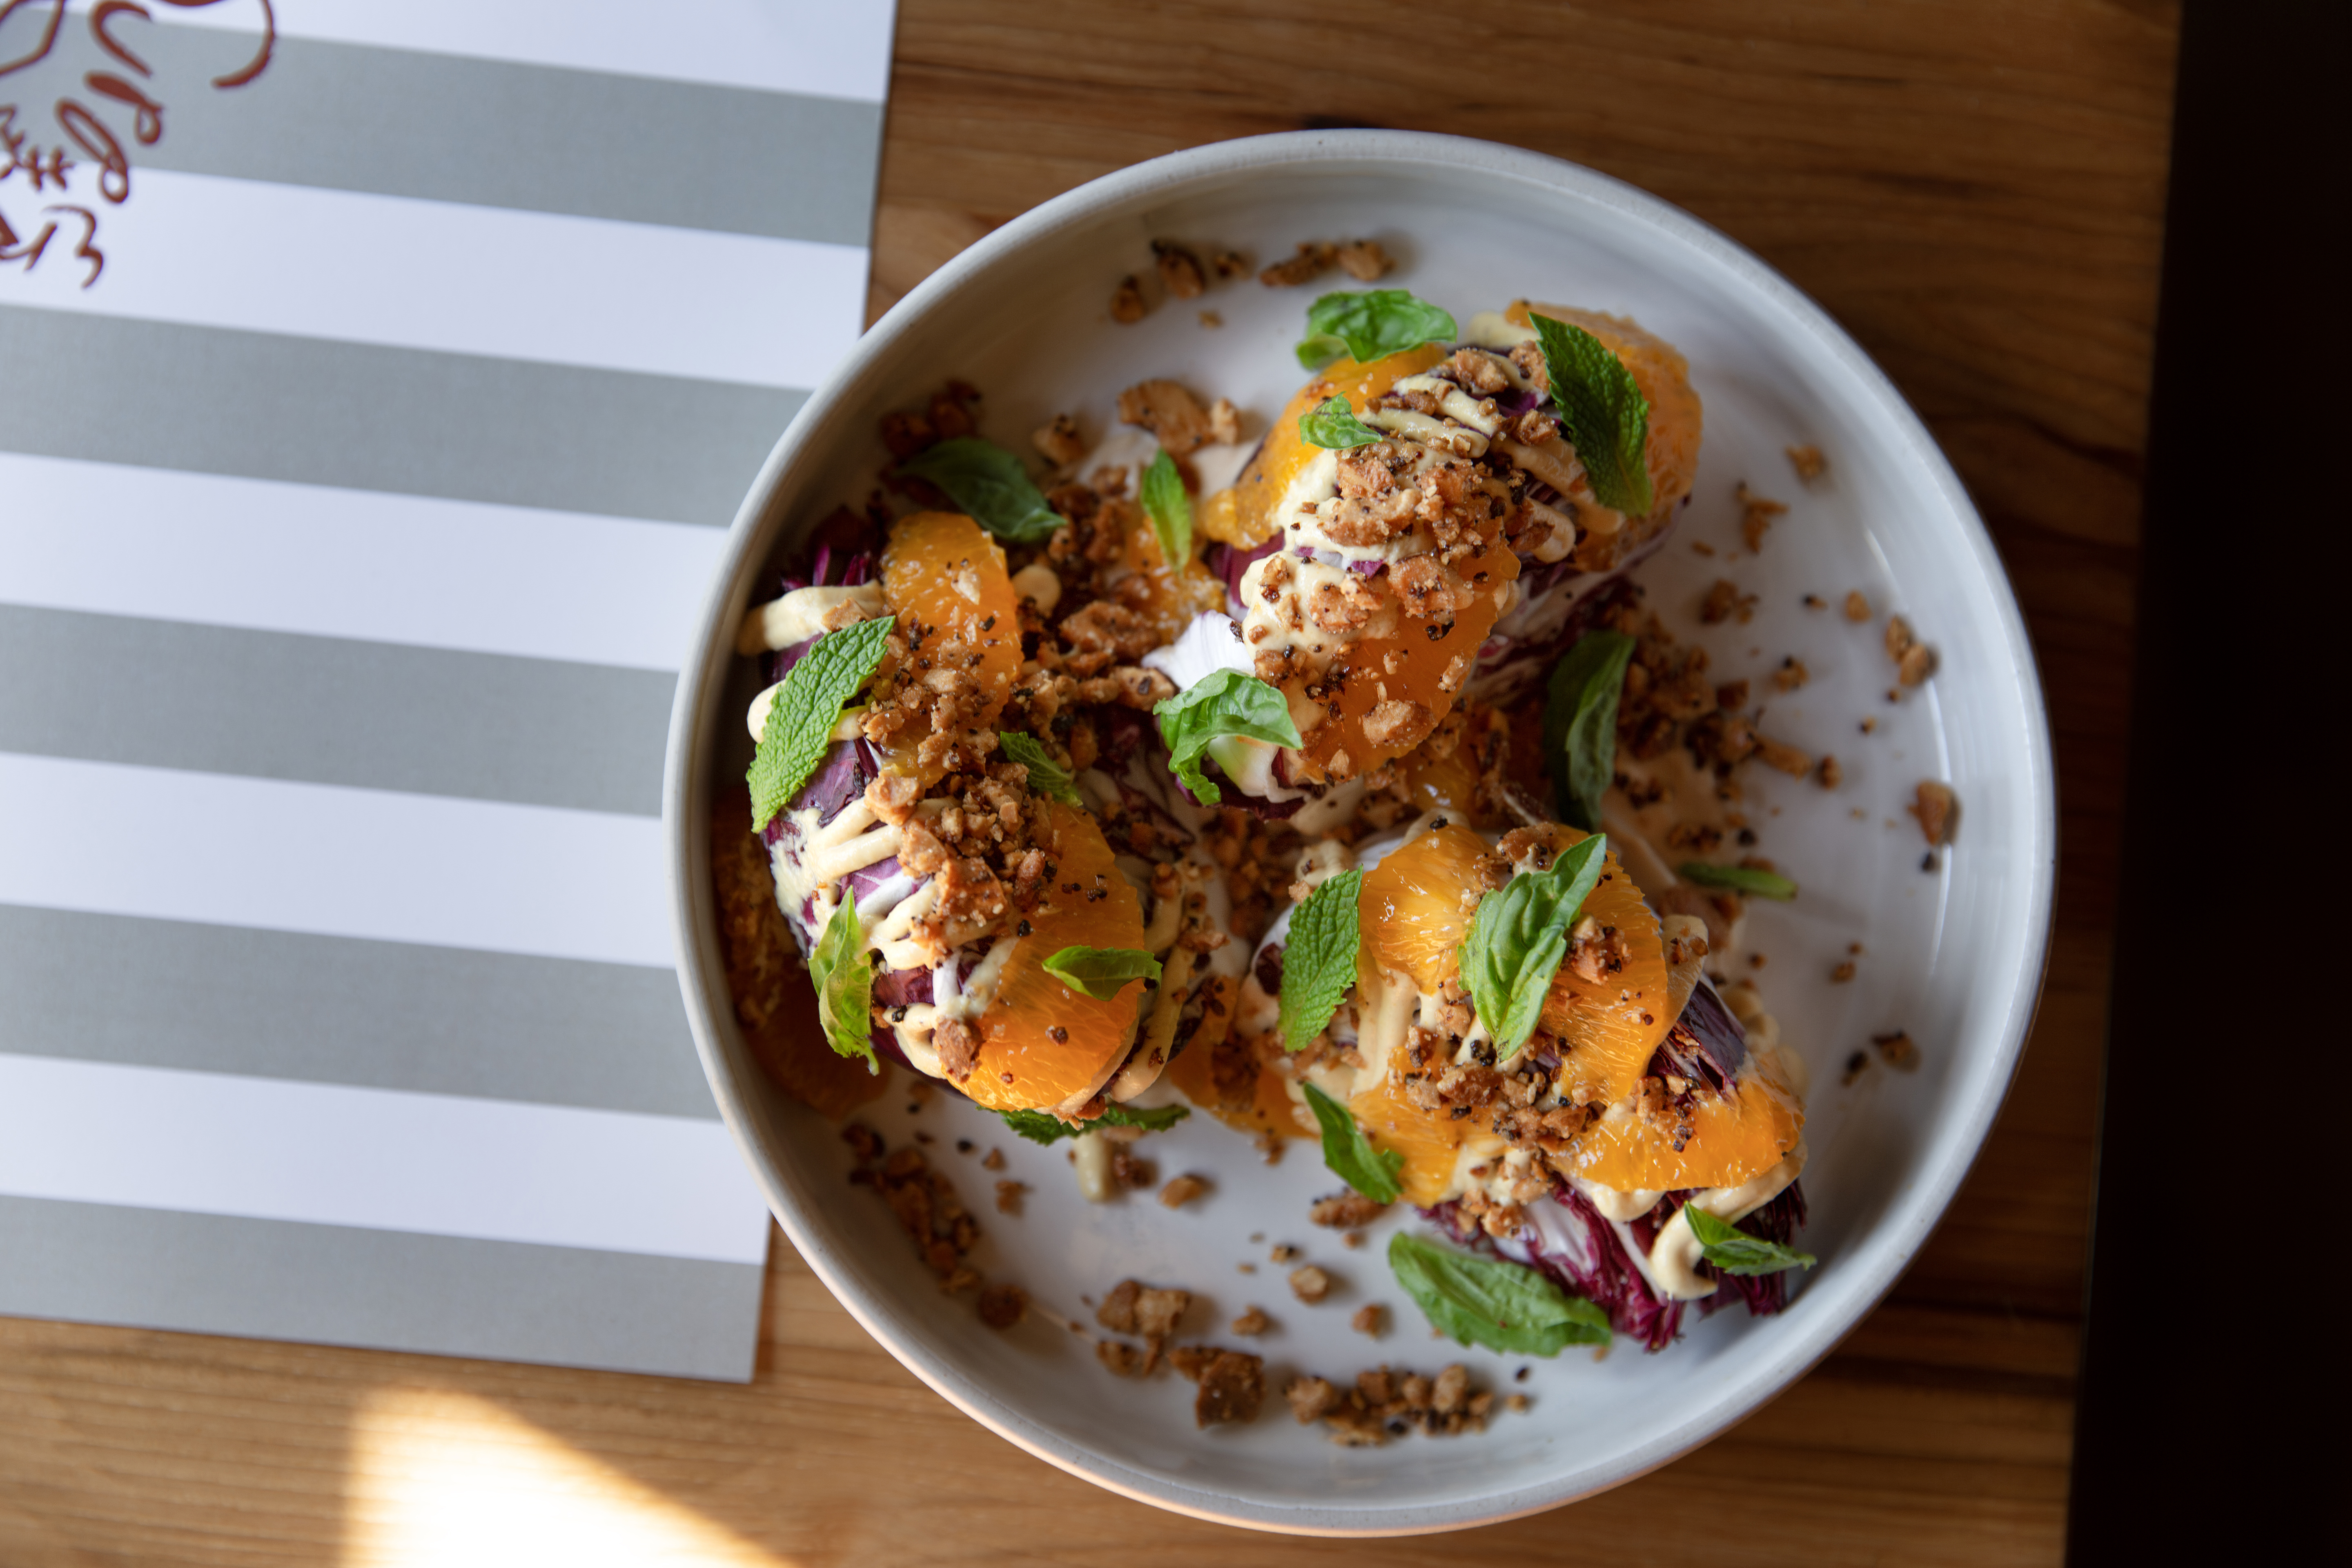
(1430, 1145)
(1663, 376)
(1168, 600)
(1268, 1109)
(1410, 910)
(1021, 1067)
(1448, 784)
(951, 575)
(1608, 1029)
(1244, 516)
(1248, 520)
(1734, 1138)
(1421, 663)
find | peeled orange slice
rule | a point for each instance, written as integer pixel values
(1430, 1143)
(1410, 911)
(1022, 1064)
(1248, 518)
(1734, 1138)
(1420, 664)
(1663, 376)
(951, 577)
(1609, 1028)
(1168, 600)
(1448, 784)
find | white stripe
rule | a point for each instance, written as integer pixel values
(207, 251)
(271, 556)
(492, 1170)
(107, 839)
(830, 48)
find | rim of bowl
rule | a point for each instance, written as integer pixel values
(1882, 1253)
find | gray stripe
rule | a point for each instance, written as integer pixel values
(385, 1289)
(110, 689)
(404, 420)
(489, 132)
(321, 1009)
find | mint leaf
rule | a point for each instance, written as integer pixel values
(1371, 326)
(1319, 958)
(1604, 411)
(1101, 972)
(1046, 776)
(845, 985)
(1507, 1307)
(1333, 426)
(1045, 1126)
(1349, 1153)
(1172, 510)
(1226, 702)
(1579, 726)
(1519, 936)
(1735, 1251)
(1739, 879)
(991, 484)
(799, 731)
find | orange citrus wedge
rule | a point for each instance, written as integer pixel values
(1088, 903)
(1248, 519)
(1734, 1138)
(1609, 1028)
(1411, 912)
(951, 577)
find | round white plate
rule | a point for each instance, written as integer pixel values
(1953, 955)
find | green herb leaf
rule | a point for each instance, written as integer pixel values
(1101, 972)
(1580, 727)
(1603, 412)
(798, 730)
(1735, 1251)
(1738, 879)
(1333, 426)
(1319, 958)
(1046, 776)
(1519, 937)
(1045, 1126)
(1504, 1306)
(1226, 702)
(991, 484)
(1371, 326)
(1351, 1157)
(1172, 510)
(845, 985)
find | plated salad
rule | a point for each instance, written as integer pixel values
(1331, 781)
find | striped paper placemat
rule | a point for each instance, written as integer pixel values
(380, 378)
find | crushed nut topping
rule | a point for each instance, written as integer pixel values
(1127, 306)
(1386, 1403)
(1936, 810)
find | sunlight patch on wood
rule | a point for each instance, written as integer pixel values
(442, 1479)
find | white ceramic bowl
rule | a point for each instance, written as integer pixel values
(1954, 957)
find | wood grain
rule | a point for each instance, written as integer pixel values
(1976, 191)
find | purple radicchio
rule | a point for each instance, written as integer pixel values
(1231, 564)
(848, 767)
(1778, 1220)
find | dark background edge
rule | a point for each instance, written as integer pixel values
(2211, 1368)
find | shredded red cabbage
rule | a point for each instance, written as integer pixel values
(840, 778)
(1567, 1238)
(1230, 564)
(1778, 1220)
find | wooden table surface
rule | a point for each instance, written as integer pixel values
(1976, 191)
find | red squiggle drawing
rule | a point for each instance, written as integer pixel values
(269, 42)
(48, 35)
(101, 22)
(86, 129)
